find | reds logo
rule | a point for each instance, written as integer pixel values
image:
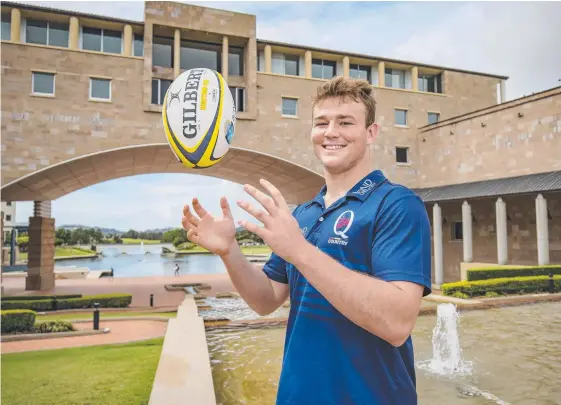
(343, 224)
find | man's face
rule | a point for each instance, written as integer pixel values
(340, 137)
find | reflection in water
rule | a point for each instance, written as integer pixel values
(515, 353)
(235, 309)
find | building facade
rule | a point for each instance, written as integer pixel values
(80, 89)
(9, 216)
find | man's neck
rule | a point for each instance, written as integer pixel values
(339, 184)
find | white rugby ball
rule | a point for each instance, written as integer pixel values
(199, 117)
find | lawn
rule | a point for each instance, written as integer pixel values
(96, 375)
(64, 251)
(131, 241)
(71, 316)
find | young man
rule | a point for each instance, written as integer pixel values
(355, 260)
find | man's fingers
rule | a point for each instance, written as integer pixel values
(225, 208)
(266, 201)
(190, 217)
(192, 236)
(253, 228)
(201, 212)
(275, 194)
(255, 212)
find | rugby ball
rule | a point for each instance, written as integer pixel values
(199, 117)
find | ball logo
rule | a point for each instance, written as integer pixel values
(343, 224)
(190, 99)
(174, 96)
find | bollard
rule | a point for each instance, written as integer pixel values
(151, 300)
(96, 316)
(550, 283)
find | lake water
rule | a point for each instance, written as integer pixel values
(146, 260)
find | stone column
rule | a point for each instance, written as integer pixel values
(415, 78)
(15, 25)
(308, 64)
(127, 38)
(41, 254)
(268, 57)
(503, 91)
(346, 69)
(176, 52)
(225, 52)
(381, 74)
(437, 237)
(467, 232)
(542, 230)
(502, 241)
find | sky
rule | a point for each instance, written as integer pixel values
(515, 39)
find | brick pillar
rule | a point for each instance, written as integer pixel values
(41, 254)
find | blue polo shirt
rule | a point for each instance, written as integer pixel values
(380, 229)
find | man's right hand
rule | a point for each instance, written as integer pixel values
(217, 235)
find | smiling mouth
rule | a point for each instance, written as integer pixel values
(333, 147)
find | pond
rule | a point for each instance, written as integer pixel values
(503, 356)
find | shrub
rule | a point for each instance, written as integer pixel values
(17, 320)
(53, 326)
(514, 285)
(104, 300)
(461, 295)
(486, 273)
(492, 294)
(39, 297)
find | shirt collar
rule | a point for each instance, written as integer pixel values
(361, 190)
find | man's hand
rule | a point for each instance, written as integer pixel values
(281, 230)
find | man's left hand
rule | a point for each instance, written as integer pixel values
(280, 229)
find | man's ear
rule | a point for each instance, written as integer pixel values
(371, 133)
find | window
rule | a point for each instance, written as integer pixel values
(323, 69)
(430, 83)
(200, 55)
(360, 72)
(162, 51)
(285, 64)
(235, 61)
(138, 45)
(9, 203)
(8, 217)
(401, 155)
(238, 94)
(6, 27)
(400, 117)
(395, 78)
(457, 231)
(46, 33)
(101, 40)
(433, 117)
(289, 106)
(43, 83)
(159, 90)
(100, 89)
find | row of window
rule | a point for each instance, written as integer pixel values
(43, 84)
(197, 54)
(293, 65)
(57, 34)
(401, 117)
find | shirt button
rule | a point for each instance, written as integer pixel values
(320, 219)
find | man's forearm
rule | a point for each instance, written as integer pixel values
(252, 284)
(380, 307)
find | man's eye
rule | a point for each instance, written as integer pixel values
(320, 124)
(347, 123)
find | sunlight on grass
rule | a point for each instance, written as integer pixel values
(103, 315)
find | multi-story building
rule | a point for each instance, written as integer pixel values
(9, 215)
(76, 84)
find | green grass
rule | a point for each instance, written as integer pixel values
(64, 251)
(131, 241)
(95, 375)
(89, 315)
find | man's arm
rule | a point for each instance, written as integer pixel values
(386, 309)
(261, 293)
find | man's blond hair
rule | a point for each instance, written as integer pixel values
(356, 90)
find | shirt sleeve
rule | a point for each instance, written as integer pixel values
(275, 269)
(401, 250)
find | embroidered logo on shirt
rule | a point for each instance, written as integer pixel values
(341, 227)
(365, 187)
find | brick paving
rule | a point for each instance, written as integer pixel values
(120, 332)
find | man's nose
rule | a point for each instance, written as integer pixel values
(332, 130)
